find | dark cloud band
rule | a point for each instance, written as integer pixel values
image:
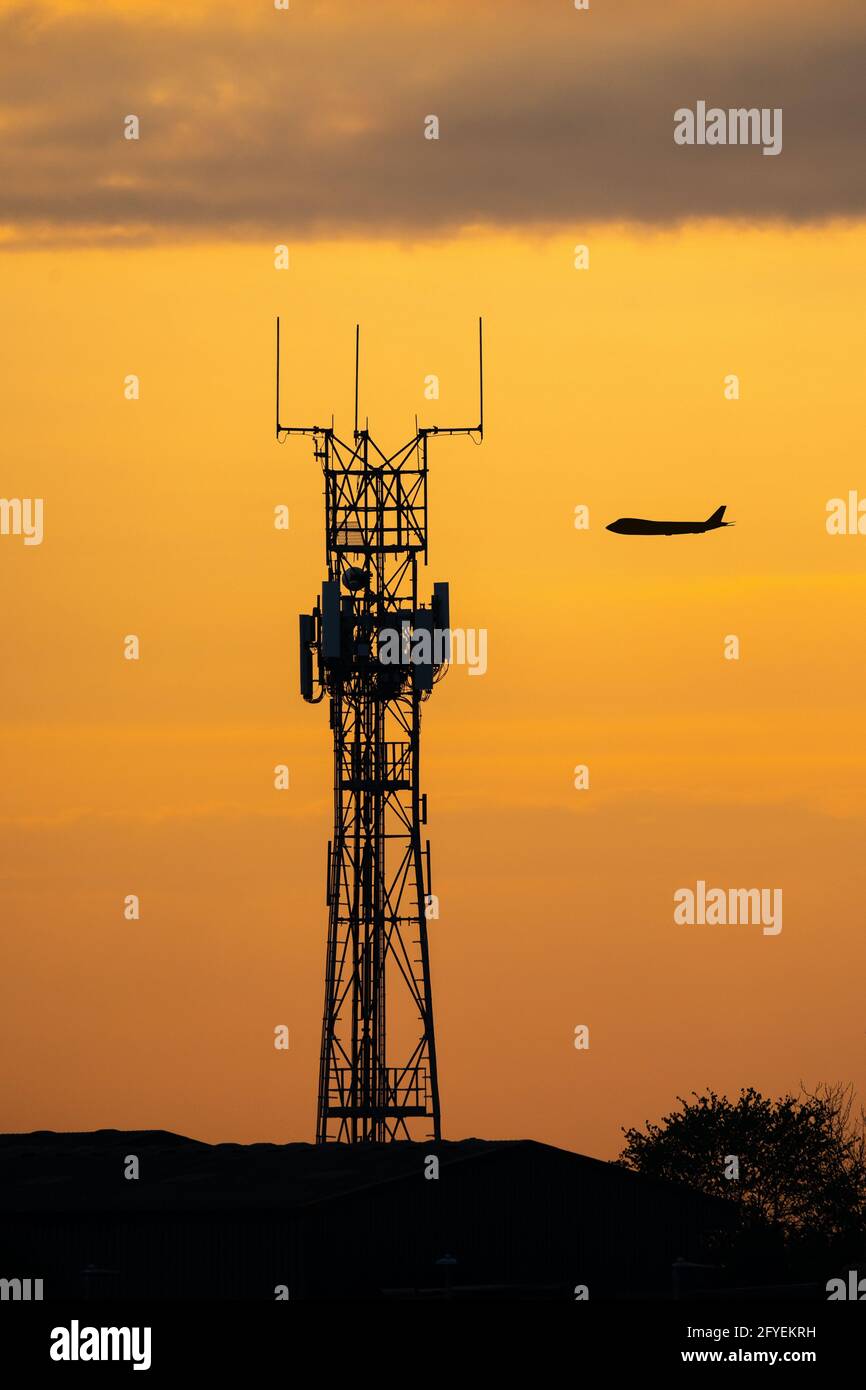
(312, 130)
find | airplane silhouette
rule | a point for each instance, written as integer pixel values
(637, 526)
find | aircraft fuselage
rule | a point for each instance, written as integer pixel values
(637, 526)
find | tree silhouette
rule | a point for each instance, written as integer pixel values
(801, 1186)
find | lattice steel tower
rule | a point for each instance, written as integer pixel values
(376, 652)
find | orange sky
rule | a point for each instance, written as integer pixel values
(604, 388)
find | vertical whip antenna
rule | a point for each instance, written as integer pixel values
(480, 377)
(357, 357)
(278, 376)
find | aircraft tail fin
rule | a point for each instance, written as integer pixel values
(716, 518)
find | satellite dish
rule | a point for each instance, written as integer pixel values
(355, 578)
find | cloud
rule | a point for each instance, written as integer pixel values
(290, 128)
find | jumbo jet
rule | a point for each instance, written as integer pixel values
(637, 526)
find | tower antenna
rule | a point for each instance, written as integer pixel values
(278, 376)
(357, 356)
(480, 377)
(468, 429)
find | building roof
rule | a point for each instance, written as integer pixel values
(47, 1171)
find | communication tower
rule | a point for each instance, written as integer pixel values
(376, 651)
